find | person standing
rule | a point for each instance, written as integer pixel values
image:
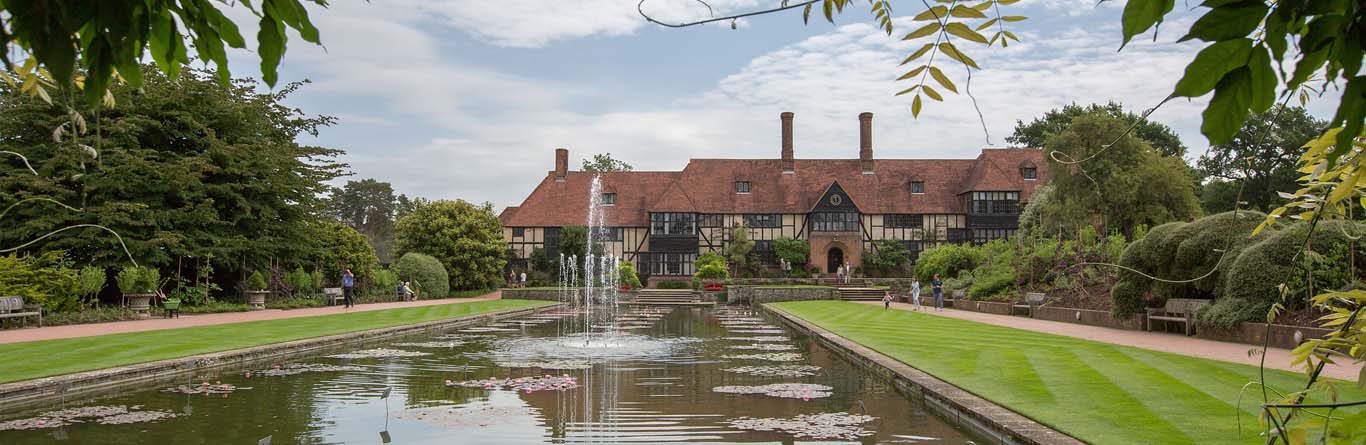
(839, 274)
(512, 278)
(348, 287)
(915, 294)
(886, 300)
(847, 272)
(523, 279)
(938, 287)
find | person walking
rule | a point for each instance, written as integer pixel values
(512, 278)
(348, 288)
(938, 287)
(886, 300)
(523, 279)
(915, 294)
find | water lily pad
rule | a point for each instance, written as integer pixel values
(102, 414)
(769, 356)
(431, 344)
(765, 347)
(206, 388)
(524, 384)
(546, 364)
(760, 338)
(300, 368)
(379, 353)
(802, 391)
(813, 426)
(777, 370)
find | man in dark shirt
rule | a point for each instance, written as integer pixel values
(938, 286)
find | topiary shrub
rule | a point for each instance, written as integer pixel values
(1261, 267)
(256, 282)
(1211, 244)
(626, 274)
(1150, 255)
(426, 273)
(674, 284)
(1226, 313)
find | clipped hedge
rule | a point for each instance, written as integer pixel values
(1206, 240)
(1182, 251)
(1263, 266)
(426, 272)
(946, 260)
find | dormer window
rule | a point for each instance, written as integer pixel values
(917, 187)
(609, 199)
(1030, 173)
(742, 187)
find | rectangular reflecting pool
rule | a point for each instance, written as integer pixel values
(633, 375)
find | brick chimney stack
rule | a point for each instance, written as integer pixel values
(865, 142)
(561, 164)
(789, 165)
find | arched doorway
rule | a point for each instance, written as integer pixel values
(834, 258)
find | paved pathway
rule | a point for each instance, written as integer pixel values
(152, 324)
(1195, 347)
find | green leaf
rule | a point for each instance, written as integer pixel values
(1014, 18)
(1007, 2)
(915, 106)
(912, 73)
(1229, 108)
(912, 88)
(806, 13)
(952, 51)
(1139, 15)
(983, 6)
(1011, 35)
(961, 30)
(934, 13)
(965, 12)
(271, 47)
(986, 24)
(923, 31)
(929, 91)
(1210, 65)
(1228, 22)
(1263, 80)
(918, 53)
(942, 79)
(829, 10)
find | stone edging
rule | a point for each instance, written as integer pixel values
(35, 391)
(955, 404)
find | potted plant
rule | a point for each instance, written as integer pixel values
(256, 290)
(626, 275)
(711, 270)
(138, 285)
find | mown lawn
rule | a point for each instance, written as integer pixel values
(30, 360)
(1097, 392)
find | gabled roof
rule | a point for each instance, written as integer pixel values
(708, 186)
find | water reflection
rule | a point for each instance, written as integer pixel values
(649, 383)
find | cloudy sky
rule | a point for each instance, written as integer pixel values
(468, 99)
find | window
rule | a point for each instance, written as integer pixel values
(1030, 173)
(607, 234)
(710, 220)
(918, 187)
(552, 242)
(673, 224)
(995, 203)
(741, 186)
(763, 251)
(903, 221)
(763, 220)
(518, 232)
(609, 199)
(669, 264)
(835, 222)
(982, 236)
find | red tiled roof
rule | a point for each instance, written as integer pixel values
(708, 186)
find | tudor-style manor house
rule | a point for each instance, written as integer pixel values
(663, 220)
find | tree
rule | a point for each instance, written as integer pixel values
(738, 249)
(185, 167)
(425, 272)
(795, 251)
(1261, 157)
(1124, 183)
(368, 206)
(1036, 132)
(603, 162)
(405, 205)
(888, 257)
(342, 247)
(467, 239)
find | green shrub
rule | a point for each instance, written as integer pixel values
(384, 280)
(1261, 267)
(425, 272)
(44, 279)
(1204, 242)
(626, 274)
(946, 260)
(301, 282)
(1151, 255)
(1128, 298)
(90, 281)
(991, 283)
(138, 280)
(256, 282)
(795, 251)
(888, 258)
(1226, 313)
(674, 284)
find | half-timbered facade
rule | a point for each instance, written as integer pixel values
(663, 220)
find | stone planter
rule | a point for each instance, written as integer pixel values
(256, 299)
(140, 303)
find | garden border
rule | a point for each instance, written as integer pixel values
(953, 403)
(24, 393)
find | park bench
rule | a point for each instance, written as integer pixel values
(14, 307)
(1031, 301)
(1177, 310)
(332, 295)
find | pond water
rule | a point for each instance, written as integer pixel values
(695, 375)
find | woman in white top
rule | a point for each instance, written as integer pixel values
(915, 293)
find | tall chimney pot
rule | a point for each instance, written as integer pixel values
(865, 142)
(789, 165)
(561, 164)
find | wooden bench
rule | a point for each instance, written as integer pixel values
(1177, 310)
(14, 307)
(1031, 301)
(332, 295)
